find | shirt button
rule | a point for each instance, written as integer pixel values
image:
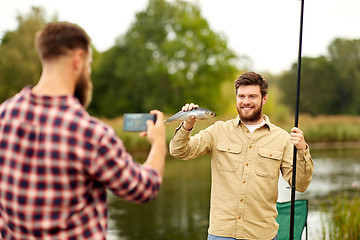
(270, 155)
(250, 147)
(239, 217)
(247, 164)
(244, 181)
(241, 200)
(228, 149)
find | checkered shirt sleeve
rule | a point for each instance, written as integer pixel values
(56, 163)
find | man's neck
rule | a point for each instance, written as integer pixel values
(54, 81)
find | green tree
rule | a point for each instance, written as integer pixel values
(329, 85)
(345, 56)
(168, 57)
(19, 63)
(319, 86)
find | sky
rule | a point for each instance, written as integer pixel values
(265, 31)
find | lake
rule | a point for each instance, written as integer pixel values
(181, 210)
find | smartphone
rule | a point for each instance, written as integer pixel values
(136, 122)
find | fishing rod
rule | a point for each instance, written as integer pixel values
(292, 208)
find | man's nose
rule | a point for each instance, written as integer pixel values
(246, 100)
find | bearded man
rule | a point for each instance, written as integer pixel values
(247, 155)
(56, 161)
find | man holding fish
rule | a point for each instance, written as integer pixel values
(248, 153)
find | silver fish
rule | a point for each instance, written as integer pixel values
(199, 113)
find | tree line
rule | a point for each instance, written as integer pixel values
(330, 85)
(170, 56)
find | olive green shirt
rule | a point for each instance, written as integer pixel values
(245, 173)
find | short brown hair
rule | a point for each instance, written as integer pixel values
(57, 38)
(251, 78)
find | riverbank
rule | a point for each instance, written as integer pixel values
(334, 145)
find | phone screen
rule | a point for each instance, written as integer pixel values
(136, 122)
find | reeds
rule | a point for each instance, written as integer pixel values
(331, 128)
(343, 221)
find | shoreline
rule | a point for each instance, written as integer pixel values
(334, 145)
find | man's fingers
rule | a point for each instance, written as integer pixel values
(159, 115)
(142, 134)
(189, 107)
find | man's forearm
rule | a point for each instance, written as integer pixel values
(156, 157)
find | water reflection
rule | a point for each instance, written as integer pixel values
(336, 170)
(181, 210)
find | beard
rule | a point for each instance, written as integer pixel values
(83, 89)
(252, 117)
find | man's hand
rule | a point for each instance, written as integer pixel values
(155, 131)
(189, 124)
(297, 138)
(156, 136)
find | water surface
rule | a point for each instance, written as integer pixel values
(181, 210)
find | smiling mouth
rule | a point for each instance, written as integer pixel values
(247, 108)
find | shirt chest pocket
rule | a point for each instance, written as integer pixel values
(268, 163)
(228, 156)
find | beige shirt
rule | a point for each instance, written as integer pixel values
(245, 172)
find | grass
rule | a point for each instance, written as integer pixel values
(344, 217)
(331, 128)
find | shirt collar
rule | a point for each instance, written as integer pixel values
(50, 101)
(237, 121)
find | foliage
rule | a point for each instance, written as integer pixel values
(326, 129)
(19, 63)
(345, 56)
(168, 57)
(344, 221)
(318, 93)
(329, 85)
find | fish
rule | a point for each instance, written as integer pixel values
(199, 113)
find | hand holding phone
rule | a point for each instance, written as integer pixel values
(157, 138)
(136, 122)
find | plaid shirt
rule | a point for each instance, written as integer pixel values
(56, 162)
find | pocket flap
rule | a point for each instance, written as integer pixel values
(270, 153)
(231, 148)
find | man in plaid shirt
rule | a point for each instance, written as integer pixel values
(56, 161)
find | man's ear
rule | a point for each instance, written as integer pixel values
(265, 98)
(78, 59)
